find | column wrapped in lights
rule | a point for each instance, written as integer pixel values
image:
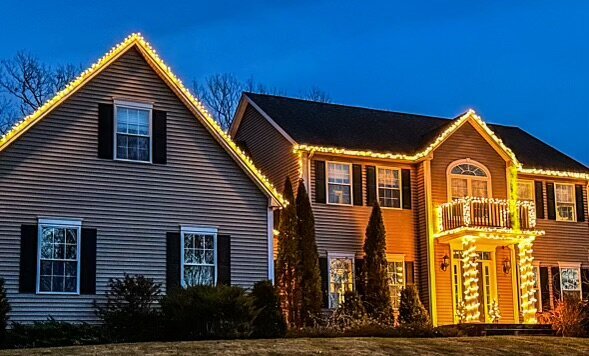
(471, 280)
(528, 281)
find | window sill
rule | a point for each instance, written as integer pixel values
(132, 161)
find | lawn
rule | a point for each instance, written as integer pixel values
(497, 345)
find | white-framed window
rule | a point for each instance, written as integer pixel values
(133, 131)
(339, 183)
(565, 202)
(396, 278)
(198, 256)
(58, 254)
(388, 181)
(537, 287)
(570, 280)
(468, 178)
(525, 190)
(341, 277)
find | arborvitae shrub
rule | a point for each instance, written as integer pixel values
(411, 311)
(268, 319)
(206, 312)
(130, 312)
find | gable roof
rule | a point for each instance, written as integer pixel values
(135, 40)
(385, 134)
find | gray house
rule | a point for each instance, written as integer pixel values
(125, 172)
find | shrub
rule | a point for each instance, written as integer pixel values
(570, 318)
(53, 333)
(348, 314)
(205, 312)
(268, 321)
(411, 312)
(130, 312)
(4, 310)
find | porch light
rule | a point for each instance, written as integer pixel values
(506, 266)
(445, 263)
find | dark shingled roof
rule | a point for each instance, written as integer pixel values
(322, 124)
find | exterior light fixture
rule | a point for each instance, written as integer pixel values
(445, 263)
(506, 266)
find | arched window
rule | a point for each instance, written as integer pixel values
(468, 178)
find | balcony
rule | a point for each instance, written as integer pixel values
(484, 213)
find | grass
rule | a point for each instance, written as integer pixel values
(493, 345)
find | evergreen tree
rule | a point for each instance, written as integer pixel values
(310, 272)
(411, 311)
(268, 321)
(377, 294)
(289, 259)
(4, 310)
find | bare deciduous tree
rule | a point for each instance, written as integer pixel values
(26, 83)
(316, 94)
(220, 93)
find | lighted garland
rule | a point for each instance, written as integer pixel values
(470, 274)
(527, 283)
(136, 39)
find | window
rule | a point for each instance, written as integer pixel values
(525, 190)
(537, 288)
(468, 178)
(389, 187)
(339, 183)
(58, 269)
(570, 280)
(133, 131)
(199, 256)
(396, 277)
(341, 277)
(565, 202)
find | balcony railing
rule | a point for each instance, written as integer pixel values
(484, 213)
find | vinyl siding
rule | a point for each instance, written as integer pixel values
(53, 170)
(421, 234)
(270, 150)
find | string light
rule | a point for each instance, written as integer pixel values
(471, 281)
(159, 65)
(528, 282)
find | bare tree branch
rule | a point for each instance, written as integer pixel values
(316, 94)
(220, 93)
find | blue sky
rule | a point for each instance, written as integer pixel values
(521, 63)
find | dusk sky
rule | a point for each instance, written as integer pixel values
(520, 63)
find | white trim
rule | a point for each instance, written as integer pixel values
(62, 223)
(574, 202)
(469, 178)
(570, 265)
(271, 244)
(206, 230)
(327, 183)
(400, 188)
(132, 105)
(239, 116)
(333, 255)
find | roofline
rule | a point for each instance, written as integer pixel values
(166, 74)
(245, 99)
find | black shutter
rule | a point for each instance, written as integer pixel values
(409, 274)
(585, 283)
(580, 203)
(224, 260)
(160, 138)
(28, 259)
(105, 131)
(357, 180)
(406, 184)
(359, 276)
(320, 194)
(550, 201)
(539, 191)
(324, 281)
(88, 262)
(370, 185)
(544, 288)
(173, 272)
(555, 284)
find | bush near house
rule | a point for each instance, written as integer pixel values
(54, 333)
(411, 312)
(130, 312)
(4, 310)
(268, 321)
(570, 318)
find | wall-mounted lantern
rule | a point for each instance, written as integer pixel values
(506, 266)
(445, 263)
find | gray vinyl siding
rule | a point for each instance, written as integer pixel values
(53, 170)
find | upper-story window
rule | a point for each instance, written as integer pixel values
(59, 257)
(525, 190)
(339, 183)
(389, 187)
(468, 178)
(565, 202)
(133, 139)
